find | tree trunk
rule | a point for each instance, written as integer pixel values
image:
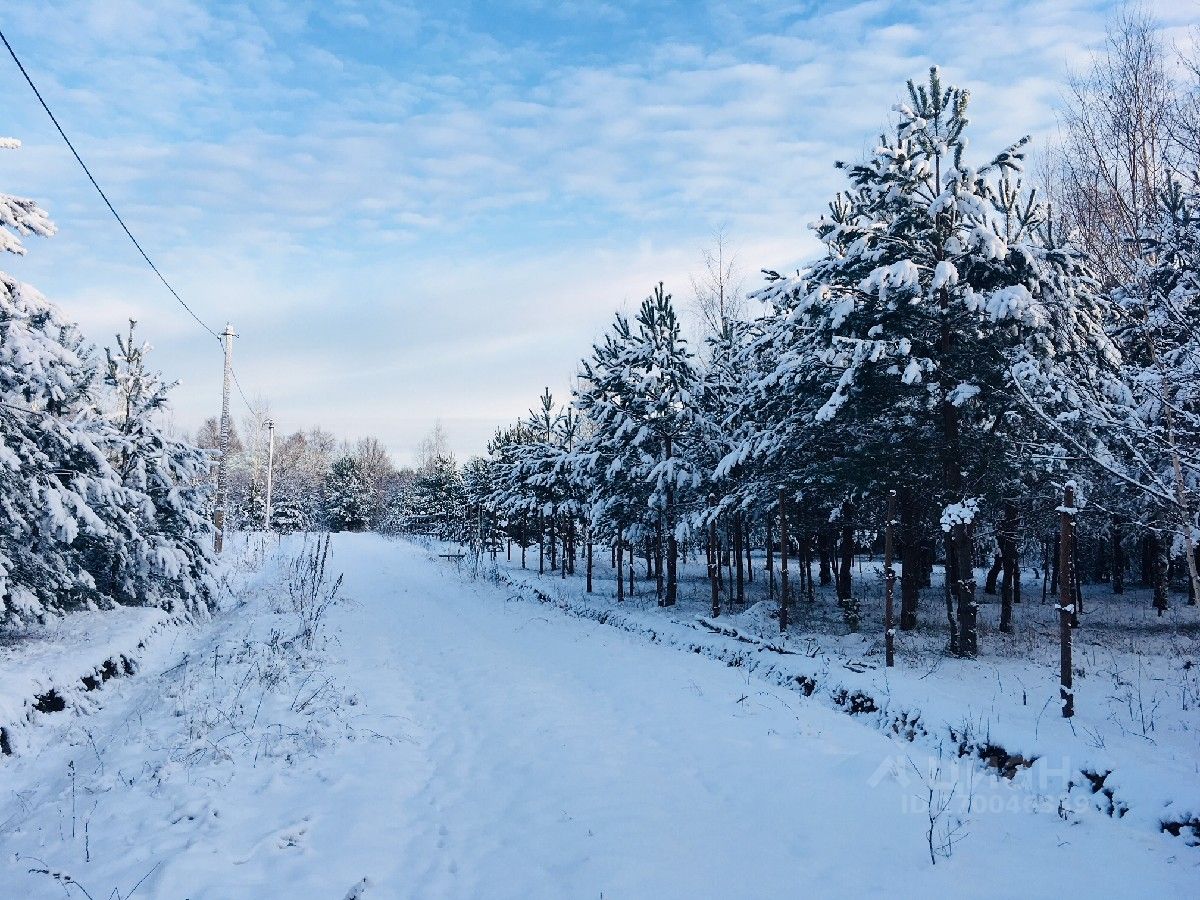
(672, 542)
(672, 568)
(746, 544)
(1008, 561)
(571, 542)
(619, 557)
(826, 555)
(993, 575)
(783, 563)
(951, 568)
(589, 562)
(659, 584)
(1118, 558)
(714, 563)
(1055, 553)
(968, 610)
(889, 583)
(737, 550)
(1066, 566)
(631, 568)
(810, 592)
(1160, 550)
(770, 559)
(846, 565)
(911, 570)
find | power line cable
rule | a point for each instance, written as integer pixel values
(238, 385)
(99, 190)
(112, 209)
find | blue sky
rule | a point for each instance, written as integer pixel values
(414, 211)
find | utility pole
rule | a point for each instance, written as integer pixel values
(223, 463)
(270, 469)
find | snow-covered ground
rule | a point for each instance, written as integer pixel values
(458, 738)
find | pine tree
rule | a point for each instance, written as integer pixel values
(1157, 431)
(348, 499)
(639, 393)
(939, 301)
(437, 502)
(95, 508)
(163, 558)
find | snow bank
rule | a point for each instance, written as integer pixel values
(58, 667)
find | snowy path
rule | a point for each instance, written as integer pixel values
(545, 756)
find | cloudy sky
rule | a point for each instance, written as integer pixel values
(415, 211)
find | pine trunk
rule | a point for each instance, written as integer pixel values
(911, 570)
(619, 558)
(1065, 604)
(889, 582)
(846, 565)
(1008, 559)
(737, 550)
(783, 563)
(770, 560)
(1118, 558)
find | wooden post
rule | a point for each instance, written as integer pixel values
(783, 562)
(1066, 597)
(889, 580)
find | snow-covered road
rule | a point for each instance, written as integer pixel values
(537, 755)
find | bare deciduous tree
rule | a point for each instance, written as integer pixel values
(719, 289)
(1116, 145)
(434, 446)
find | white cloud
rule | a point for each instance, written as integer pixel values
(404, 212)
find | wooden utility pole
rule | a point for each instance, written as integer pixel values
(223, 463)
(889, 582)
(270, 471)
(1066, 596)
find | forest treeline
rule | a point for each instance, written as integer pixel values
(967, 339)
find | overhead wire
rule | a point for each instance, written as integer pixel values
(112, 209)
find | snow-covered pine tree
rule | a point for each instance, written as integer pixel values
(1158, 430)
(937, 281)
(348, 499)
(163, 557)
(78, 527)
(437, 501)
(638, 392)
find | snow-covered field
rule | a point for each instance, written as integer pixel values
(450, 737)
